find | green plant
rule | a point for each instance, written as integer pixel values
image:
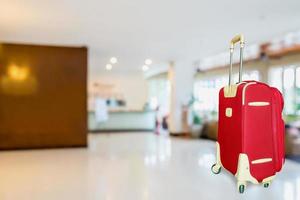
(196, 119)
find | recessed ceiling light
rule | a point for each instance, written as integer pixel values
(148, 61)
(113, 60)
(108, 67)
(145, 68)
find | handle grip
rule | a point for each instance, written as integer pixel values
(237, 38)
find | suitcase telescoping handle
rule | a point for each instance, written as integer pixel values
(237, 38)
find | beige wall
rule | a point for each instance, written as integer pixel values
(131, 85)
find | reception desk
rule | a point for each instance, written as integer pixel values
(123, 121)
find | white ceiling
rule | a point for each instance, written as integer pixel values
(133, 30)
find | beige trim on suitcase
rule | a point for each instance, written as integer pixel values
(268, 179)
(258, 103)
(263, 160)
(231, 90)
(243, 171)
(228, 112)
(218, 155)
(217, 167)
(244, 91)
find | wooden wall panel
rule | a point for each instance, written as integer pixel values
(42, 96)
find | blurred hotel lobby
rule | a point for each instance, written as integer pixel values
(118, 100)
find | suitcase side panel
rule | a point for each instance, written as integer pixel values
(278, 127)
(259, 137)
(230, 129)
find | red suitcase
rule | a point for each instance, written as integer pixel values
(251, 130)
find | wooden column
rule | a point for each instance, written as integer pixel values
(42, 96)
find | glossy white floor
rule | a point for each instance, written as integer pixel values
(133, 166)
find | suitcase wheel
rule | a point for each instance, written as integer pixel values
(241, 187)
(216, 169)
(266, 185)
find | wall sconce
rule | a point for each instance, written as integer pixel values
(17, 73)
(18, 80)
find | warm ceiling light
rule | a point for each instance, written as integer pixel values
(113, 60)
(148, 61)
(108, 67)
(145, 68)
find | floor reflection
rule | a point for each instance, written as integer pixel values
(133, 166)
(161, 151)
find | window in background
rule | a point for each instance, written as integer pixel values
(275, 78)
(206, 91)
(286, 79)
(289, 89)
(298, 77)
(297, 98)
(251, 75)
(158, 94)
